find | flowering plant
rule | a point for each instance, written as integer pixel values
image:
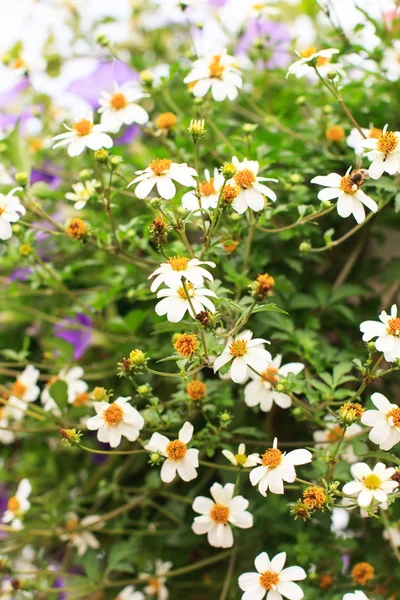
(199, 329)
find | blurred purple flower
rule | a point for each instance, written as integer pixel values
(346, 559)
(127, 136)
(277, 41)
(102, 78)
(9, 97)
(79, 338)
(46, 173)
(217, 3)
(60, 583)
(20, 274)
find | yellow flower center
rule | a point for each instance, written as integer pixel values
(176, 450)
(372, 482)
(215, 68)
(240, 459)
(72, 524)
(393, 326)
(190, 291)
(179, 263)
(196, 390)
(245, 178)
(387, 142)
(166, 120)
(220, 514)
(18, 389)
(83, 127)
(395, 414)
(270, 375)
(207, 188)
(155, 585)
(113, 414)
(81, 399)
(259, 6)
(308, 52)
(268, 579)
(186, 344)
(322, 60)
(160, 165)
(272, 458)
(334, 434)
(13, 504)
(230, 193)
(374, 132)
(118, 101)
(347, 185)
(238, 348)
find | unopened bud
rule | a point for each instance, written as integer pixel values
(137, 358)
(22, 178)
(196, 129)
(228, 170)
(71, 437)
(25, 249)
(304, 247)
(101, 155)
(116, 161)
(102, 40)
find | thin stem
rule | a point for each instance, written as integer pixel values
(229, 574)
(94, 451)
(297, 223)
(198, 190)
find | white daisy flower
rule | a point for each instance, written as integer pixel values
(261, 391)
(392, 534)
(6, 436)
(387, 333)
(272, 579)
(162, 172)
(175, 302)
(322, 58)
(83, 134)
(369, 485)
(385, 422)
(11, 210)
(384, 153)
(240, 459)
(340, 518)
(391, 61)
(82, 193)
(18, 505)
(156, 587)
(114, 420)
(23, 391)
(171, 273)
(179, 458)
(129, 593)
(331, 435)
(81, 540)
(209, 193)
(120, 107)
(252, 191)
(357, 595)
(76, 387)
(219, 514)
(245, 354)
(356, 141)
(351, 199)
(219, 72)
(277, 467)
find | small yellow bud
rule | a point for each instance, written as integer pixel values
(25, 249)
(137, 358)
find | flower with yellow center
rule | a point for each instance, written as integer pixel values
(23, 391)
(76, 229)
(385, 422)
(384, 153)
(217, 515)
(83, 134)
(276, 467)
(116, 420)
(82, 192)
(120, 107)
(272, 578)
(218, 72)
(369, 485)
(78, 534)
(196, 390)
(245, 354)
(17, 505)
(362, 573)
(166, 120)
(315, 497)
(178, 267)
(75, 386)
(335, 133)
(11, 210)
(186, 344)
(185, 297)
(240, 459)
(252, 190)
(387, 332)
(351, 199)
(155, 582)
(311, 56)
(261, 391)
(162, 173)
(179, 459)
(210, 189)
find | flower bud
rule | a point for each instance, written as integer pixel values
(25, 249)
(144, 390)
(304, 247)
(350, 412)
(228, 170)
(101, 155)
(99, 394)
(116, 161)
(22, 178)
(71, 437)
(146, 77)
(196, 129)
(102, 40)
(137, 358)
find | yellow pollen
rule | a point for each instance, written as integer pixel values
(196, 390)
(270, 375)
(272, 458)
(18, 389)
(395, 414)
(72, 524)
(240, 459)
(19, 63)
(229, 193)
(13, 504)
(334, 434)
(322, 60)
(179, 263)
(83, 127)
(220, 514)
(314, 497)
(118, 101)
(176, 450)
(81, 399)
(308, 52)
(165, 120)
(238, 348)
(2, 210)
(207, 188)
(348, 186)
(393, 326)
(159, 165)
(186, 344)
(245, 178)
(372, 482)
(155, 585)
(387, 142)
(113, 414)
(215, 68)
(375, 132)
(268, 579)
(190, 291)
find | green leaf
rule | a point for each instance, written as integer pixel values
(268, 308)
(387, 456)
(251, 431)
(59, 392)
(118, 554)
(18, 151)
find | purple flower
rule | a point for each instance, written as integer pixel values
(127, 136)
(346, 559)
(277, 41)
(20, 274)
(102, 78)
(79, 338)
(60, 583)
(9, 97)
(46, 173)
